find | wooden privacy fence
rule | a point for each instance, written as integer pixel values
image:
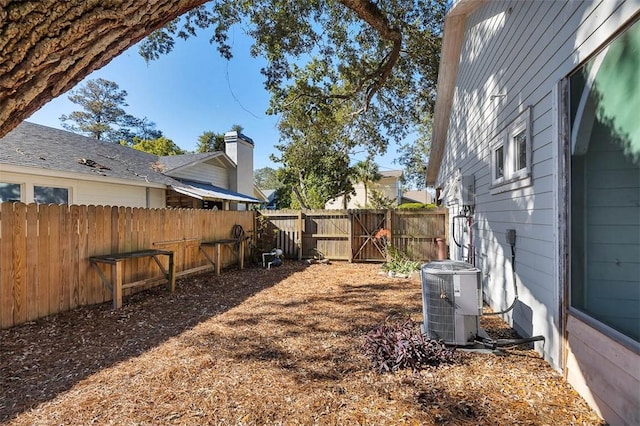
(44, 251)
(350, 234)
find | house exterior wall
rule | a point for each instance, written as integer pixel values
(206, 172)
(87, 192)
(388, 186)
(514, 56)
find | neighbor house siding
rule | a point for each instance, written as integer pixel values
(523, 50)
(89, 192)
(204, 172)
(389, 187)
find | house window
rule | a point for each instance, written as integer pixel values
(604, 98)
(50, 195)
(498, 155)
(511, 159)
(10, 192)
(520, 147)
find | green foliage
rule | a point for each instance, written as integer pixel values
(266, 178)
(366, 172)
(399, 262)
(397, 345)
(210, 142)
(343, 75)
(410, 206)
(414, 156)
(161, 146)
(103, 116)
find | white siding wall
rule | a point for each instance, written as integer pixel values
(89, 192)
(522, 49)
(205, 172)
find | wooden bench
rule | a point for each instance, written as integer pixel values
(115, 260)
(217, 244)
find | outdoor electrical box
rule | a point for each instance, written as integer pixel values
(467, 190)
(511, 237)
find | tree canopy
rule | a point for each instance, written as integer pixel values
(210, 142)
(103, 116)
(372, 63)
(370, 67)
(414, 156)
(160, 146)
(343, 75)
(266, 178)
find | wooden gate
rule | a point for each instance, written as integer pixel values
(350, 234)
(364, 226)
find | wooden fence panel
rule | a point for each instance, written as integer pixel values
(327, 234)
(19, 263)
(283, 231)
(44, 251)
(350, 234)
(415, 232)
(32, 262)
(44, 248)
(6, 265)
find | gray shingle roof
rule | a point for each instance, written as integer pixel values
(34, 145)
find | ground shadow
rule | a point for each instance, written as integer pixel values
(40, 359)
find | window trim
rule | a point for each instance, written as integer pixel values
(506, 138)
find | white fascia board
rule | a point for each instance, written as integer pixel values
(10, 168)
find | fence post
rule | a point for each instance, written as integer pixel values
(300, 237)
(350, 217)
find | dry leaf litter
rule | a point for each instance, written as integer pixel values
(257, 347)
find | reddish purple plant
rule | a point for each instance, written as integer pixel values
(398, 345)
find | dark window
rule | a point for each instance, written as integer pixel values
(9, 192)
(50, 195)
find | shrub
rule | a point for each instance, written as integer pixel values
(399, 345)
(409, 206)
(399, 262)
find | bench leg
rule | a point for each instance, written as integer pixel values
(241, 254)
(218, 257)
(172, 273)
(116, 284)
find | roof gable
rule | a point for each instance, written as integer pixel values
(173, 163)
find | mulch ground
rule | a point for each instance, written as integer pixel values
(280, 346)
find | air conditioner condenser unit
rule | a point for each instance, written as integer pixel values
(451, 301)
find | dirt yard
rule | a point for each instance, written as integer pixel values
(257, 347)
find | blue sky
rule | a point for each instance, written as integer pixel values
(192, 90)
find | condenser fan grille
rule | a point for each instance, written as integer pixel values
(451, 301)
(440, 306)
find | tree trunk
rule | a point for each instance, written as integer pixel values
(48, 46)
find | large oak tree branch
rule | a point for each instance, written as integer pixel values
(48, 46)
(372, 15)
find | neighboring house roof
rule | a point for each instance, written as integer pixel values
(454, 26)
(391, 173)
(36, 146)
(417, 196)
